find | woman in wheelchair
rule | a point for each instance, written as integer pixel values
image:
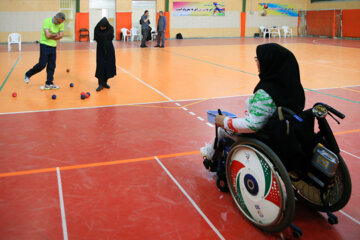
(254, 155)
(279, 85)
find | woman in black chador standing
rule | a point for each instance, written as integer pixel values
(105, 53)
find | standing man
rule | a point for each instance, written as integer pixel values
(161, 28)
(52, 32)
(144, 21)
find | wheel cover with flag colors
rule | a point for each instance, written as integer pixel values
(255, 186)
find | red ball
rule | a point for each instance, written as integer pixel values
(86, 95)
(67, 70)
(82, 93)
(266, 6)
(14, 94)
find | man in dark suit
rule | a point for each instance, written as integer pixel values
(161, 28)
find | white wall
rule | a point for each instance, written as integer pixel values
(23, 21)
(138, 9)
(253, 19)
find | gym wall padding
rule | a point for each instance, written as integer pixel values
(123, 20)
(320, 23)
(81, 21)
(351, 23)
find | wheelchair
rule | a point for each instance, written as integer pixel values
(265, 171)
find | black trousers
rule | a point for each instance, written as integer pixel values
(102, 81)
(47, 59)
(145, 32)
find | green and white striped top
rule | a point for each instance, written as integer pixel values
(259, 108)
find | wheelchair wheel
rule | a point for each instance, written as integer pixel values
(260, 185)
(337, 196)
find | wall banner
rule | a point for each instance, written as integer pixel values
(198, 9)
(278, 9)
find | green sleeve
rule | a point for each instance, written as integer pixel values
(46, 24)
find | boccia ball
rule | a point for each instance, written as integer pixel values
(82, 93)
(53, 96)
(14, 94)
(83, 96)
(42, 87)
(71, 85)
(88, 93)
(67, 70)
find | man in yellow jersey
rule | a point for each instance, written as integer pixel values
(52, 32)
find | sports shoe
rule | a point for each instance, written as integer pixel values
(51, 86)
(26, 79)
(207, 151)
(157, 46)
(105, 85)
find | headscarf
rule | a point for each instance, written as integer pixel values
(106, 34)
(280, 76)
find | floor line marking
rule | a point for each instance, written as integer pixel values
(185, 108)
(345, 132)
(351, 86)
(178, 104)
(200, 118)
(138, 79)
(190, 199)
(62, 206)
(350, 154)
(349, 89)
(352, 218)
(192, 113)
(208, 62)
(202, 100)
(332, 95)
(210, 125)
(11, 70)
(97, 164)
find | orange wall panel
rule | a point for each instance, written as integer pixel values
(320, 23)
(167, 33)
(351, 23)
(81, 21)
(123, 20)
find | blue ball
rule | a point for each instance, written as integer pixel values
(71, 84)
(83, 96)
(53, 96)
(88, 93)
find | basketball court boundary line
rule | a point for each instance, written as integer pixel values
(141, 81)
(342, 150)
(313, 90)
(147, 103)
(62, 206)
(11, 70)
(208, 62)
(189, 198)
(350, 217)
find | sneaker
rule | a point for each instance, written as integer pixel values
(161, 46)
(208, 151)
(26, 79)
(157, 46)
(51, 86)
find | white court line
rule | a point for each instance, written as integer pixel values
(135, 77)
(190, 199)
(351, 86)
(210, 125)
(123, 105)
(347, 215)
(178, 104)
(62, 208)
(192, 113)
(200, 118)
(184, 108)
(350, 154)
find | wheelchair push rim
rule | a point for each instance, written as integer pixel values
(258, 189)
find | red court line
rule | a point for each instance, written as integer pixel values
(34, 171)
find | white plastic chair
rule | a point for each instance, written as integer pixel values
(134, 32)
(14, 38)
(125, 33)
(153, 35)
(264, 31)
(287, 30)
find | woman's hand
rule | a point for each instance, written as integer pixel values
(219, 120)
